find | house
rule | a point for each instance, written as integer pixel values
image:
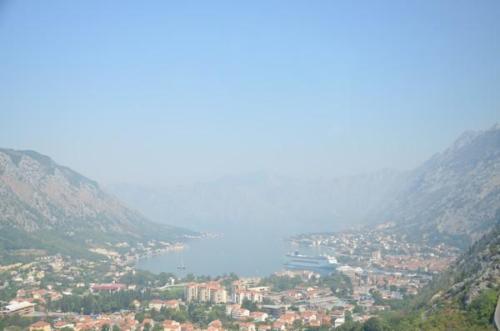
(288, 318)
(240, 313)
(172, 304)
(63, 324)
(215, 325)
(314, 324)
(128, 324)
(264, 327)
(170, 325)
(246, 326)
(279, 326)
(159, 304)
(40, 326)
(110, 288)
(147, 322)
(187, 327)
(258, 316)
(155, 304)
(308, 316)
(275, 310)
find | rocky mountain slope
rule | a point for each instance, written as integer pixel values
(454, 195)
(45, 205)
(463, 298)
(477, 270)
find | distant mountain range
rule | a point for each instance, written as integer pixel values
(271, 202)
(48, 206)
(454, 196)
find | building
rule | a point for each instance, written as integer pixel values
(63, 324)
(240, 313)
(110, 288)
(339, 321)
(212, 292)
(20, 308)
(376, 255)
(155, 304)
(159, 304)
(187, 327)
(240, 292)
(215, 325)
(238, 296)
(246, 326)
(258, 316)
(275, 310)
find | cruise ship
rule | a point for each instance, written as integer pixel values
(318, 263)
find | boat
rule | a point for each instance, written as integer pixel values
(181, 266)
(318, 263)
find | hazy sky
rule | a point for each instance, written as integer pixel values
(162, 91)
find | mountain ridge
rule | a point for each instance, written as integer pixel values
(49, 205)
(454, 194)
(452, 197)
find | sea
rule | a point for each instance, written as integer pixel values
(246, 251)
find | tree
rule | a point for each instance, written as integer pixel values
(348, 317)
(158, 327)
(248, 304)
(482, 308)
(377, 297)
(139, 317)
(297, 324)
(357, 309)
(375, 324)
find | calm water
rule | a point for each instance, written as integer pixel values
(246, 252)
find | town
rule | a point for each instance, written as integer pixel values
(374, 272)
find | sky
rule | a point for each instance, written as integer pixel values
(173, 91)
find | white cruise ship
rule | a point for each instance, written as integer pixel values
(320, 263)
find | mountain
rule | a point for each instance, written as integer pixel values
(453, 196)
(462, 298)
(478, 269)
(48, 206)
(270, 202)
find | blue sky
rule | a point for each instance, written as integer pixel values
(165, 91)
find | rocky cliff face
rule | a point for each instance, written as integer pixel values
(38, 196)
(454, 194)
(477, 270)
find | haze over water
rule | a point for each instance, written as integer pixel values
(244, 251)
